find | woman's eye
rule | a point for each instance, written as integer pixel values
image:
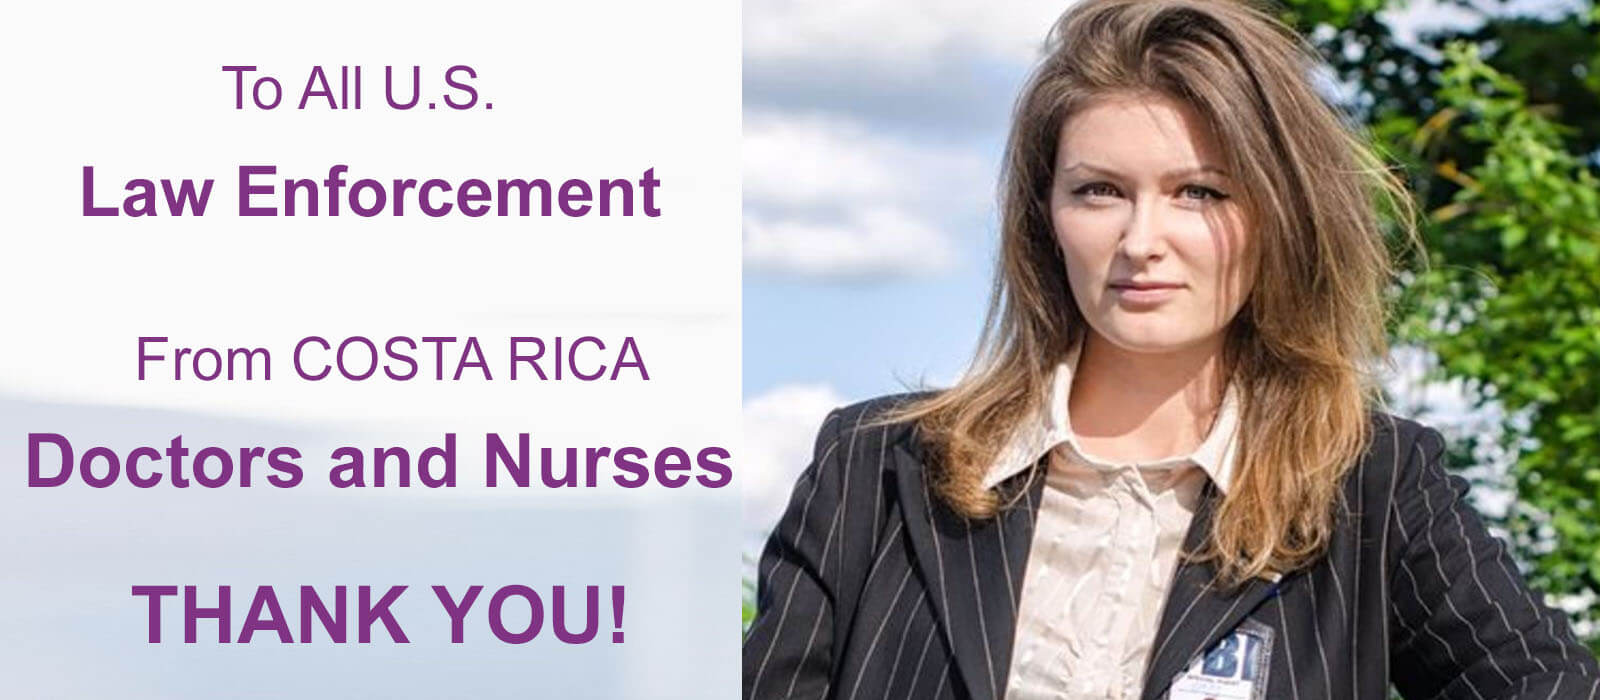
(1096, 189)
(1202, 192)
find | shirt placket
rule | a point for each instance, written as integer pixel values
(1136, 522)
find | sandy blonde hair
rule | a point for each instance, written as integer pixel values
(1304, 347)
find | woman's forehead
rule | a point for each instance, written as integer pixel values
(1142, 131)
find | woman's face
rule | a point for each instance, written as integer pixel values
(1152, 229)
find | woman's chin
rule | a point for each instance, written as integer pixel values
(1156, 341)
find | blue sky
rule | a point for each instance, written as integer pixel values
(872, 133)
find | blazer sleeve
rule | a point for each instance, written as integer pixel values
(788, 649)
(1463, 622)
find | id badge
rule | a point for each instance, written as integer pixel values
(1235, 668)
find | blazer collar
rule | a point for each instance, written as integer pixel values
(973, 572)
(1050, 425)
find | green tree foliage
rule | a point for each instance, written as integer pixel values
(1516, 305)
(1338, 13)
(1498, 127)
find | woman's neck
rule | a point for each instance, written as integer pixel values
(1132, 406)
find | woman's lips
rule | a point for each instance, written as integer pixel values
(1145, 293)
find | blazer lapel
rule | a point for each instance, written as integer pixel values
(1197, 613)
(973, 572)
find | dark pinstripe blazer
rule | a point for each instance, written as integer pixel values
(870, 588)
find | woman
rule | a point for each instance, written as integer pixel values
(1166, 474)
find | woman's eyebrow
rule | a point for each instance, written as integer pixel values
(1171, 174)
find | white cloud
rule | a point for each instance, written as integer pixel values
(813, 160)
(824, 196)
(780, 427)
(896, 36)
(800, 160)
(874, 242)
(871, 129)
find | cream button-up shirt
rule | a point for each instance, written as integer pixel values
(1104, 548)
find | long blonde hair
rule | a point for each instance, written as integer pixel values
(1303, 348)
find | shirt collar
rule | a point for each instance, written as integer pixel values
(1045, 427)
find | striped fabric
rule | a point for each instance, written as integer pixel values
(870, 588)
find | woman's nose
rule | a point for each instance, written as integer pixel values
(1144, 236)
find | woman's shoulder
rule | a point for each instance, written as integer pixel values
(1397, 448)
(1399, 431)
(1393, 427)
(866, 430)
